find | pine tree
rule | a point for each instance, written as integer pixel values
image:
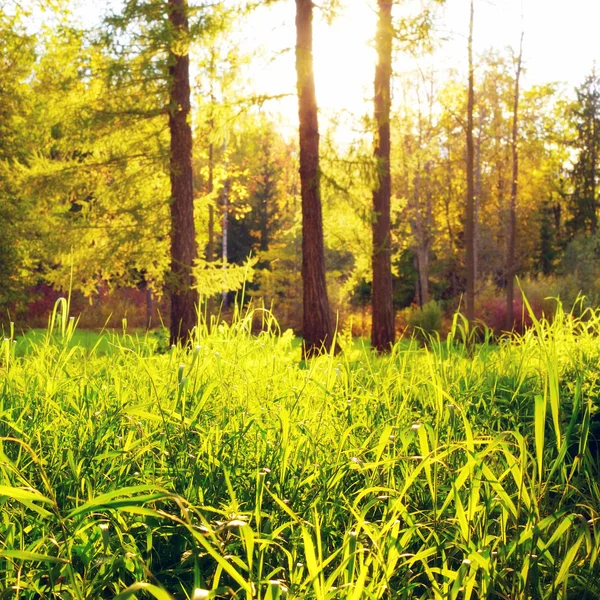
(317, 327)
(583, 201)
(383, 328)
(469, 210)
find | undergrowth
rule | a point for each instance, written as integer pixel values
(453, 471)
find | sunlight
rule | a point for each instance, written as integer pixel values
(344, 60)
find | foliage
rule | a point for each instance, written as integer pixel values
(426, 320)
(583, 200)
(441, 473)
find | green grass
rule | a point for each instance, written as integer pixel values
(97, 342)
(455, 471)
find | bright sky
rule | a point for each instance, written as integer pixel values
(561, 44)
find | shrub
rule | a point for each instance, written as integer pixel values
(427, 319)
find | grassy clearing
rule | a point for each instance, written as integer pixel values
(98, 342)
(458, 471)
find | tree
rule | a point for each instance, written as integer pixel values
(383, 328)
(317, 328)
(583, 203)
(469, 209)
(184, 296)
(512, 235)
(18, 231)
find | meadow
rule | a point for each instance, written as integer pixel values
(458, 469)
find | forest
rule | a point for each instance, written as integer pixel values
(266, 335)
(484, 187)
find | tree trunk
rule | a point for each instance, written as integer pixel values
(210, 249)
(476, 236)
(383, 331)
(149, 306)
(317, 327)
(512, 235)
(425, 246)
(225, 230)
(469, 220)
(184, 297)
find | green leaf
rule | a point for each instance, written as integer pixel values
(154, 590)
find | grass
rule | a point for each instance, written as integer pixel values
(455, 471)
(97, 342)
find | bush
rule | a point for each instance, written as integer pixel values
(427, 319)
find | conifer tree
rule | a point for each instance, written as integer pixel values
(583, 202)
(469, 209)
(383, 329)
(317, 328)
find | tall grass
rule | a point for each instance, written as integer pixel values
(455, 470)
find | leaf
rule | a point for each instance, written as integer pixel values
(540, 425)
(111, 500)
(27, 497)
(25, 555)
(566, 565)
(154, 590)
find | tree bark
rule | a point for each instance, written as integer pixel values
(184, 296)
(225, 244)
(477, 208)
(210, 249)
(383, 331)
(317, 327)
(512, 235)
(469, 220)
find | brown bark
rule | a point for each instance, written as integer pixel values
(184, 297)
(512, 231)
(383, 333)
(317, 328)
(149, 307)
(210, 249)
(477, 209)
(225, 237)
(425, 242)
(469, 217)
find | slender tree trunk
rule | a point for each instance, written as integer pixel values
(225, 230)
(425, 246)
(477, 209)
(383, 331)
(512, 235)
(420, 224)
(184, 296)
(317, 328)
(210, 250)
(469, 221)
(593, 200)
(149, 306)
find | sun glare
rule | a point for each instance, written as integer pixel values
(344, 60)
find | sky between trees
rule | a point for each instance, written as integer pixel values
(85, 149)
(560, 46)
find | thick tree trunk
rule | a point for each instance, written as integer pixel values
(317, 328)
(184, 297)
(512, 235)
(383, 331)
(469, 217)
